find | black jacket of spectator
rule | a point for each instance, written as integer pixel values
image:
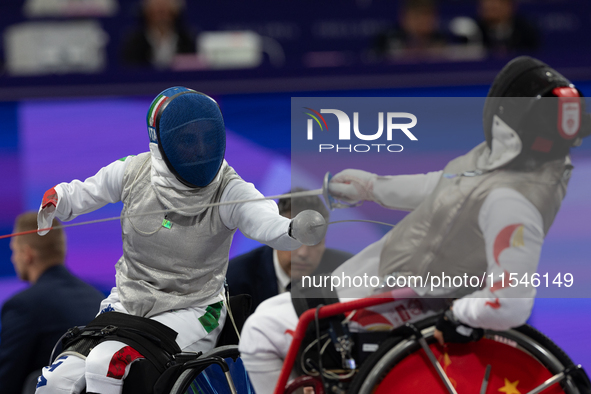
(253, 273)
(34, 320)
(523, 37)
(137, 50)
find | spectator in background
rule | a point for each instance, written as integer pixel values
(265, 272)
(34, 319)
(160, 37)
(503, 31)
(418, 35)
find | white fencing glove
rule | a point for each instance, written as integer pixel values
(47, 210)
(352, 186)
(309, 227)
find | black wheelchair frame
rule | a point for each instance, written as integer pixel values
(145, 377)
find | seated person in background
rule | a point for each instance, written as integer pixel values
(160, 36)
(34, 319)
(418, 35)
(265, 272)
(503, 31)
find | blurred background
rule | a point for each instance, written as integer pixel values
(77, 77)
(122, 47)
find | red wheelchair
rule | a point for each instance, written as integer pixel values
(409, 360)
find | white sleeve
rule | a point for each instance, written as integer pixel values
(404, 192)
(513, 234)
(258, 220)
(77, 198)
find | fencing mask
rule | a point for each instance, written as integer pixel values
(188, 128)
(543, 107)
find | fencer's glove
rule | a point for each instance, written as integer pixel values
(308, 227)
(456, 332)
(352, 186)
(47, 210)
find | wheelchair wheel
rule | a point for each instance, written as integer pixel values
(207, 374)
(520, 360)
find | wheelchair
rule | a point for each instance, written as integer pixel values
(163, 371)
(409, 359)
(218, 371)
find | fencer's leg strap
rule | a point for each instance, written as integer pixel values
(152, 339)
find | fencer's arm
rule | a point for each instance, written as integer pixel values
(77, 197)
(258, 220)
(513, 234)
(402, 192)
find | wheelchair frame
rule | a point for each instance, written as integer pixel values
(327, 311)
(417, 340)
(557, 362)
(191, 364)
(217, 356)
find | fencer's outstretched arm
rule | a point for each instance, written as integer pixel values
(513, 233)
(77, 197)
(258, 220)
(402, 192)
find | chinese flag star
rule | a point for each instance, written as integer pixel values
(510, 388)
